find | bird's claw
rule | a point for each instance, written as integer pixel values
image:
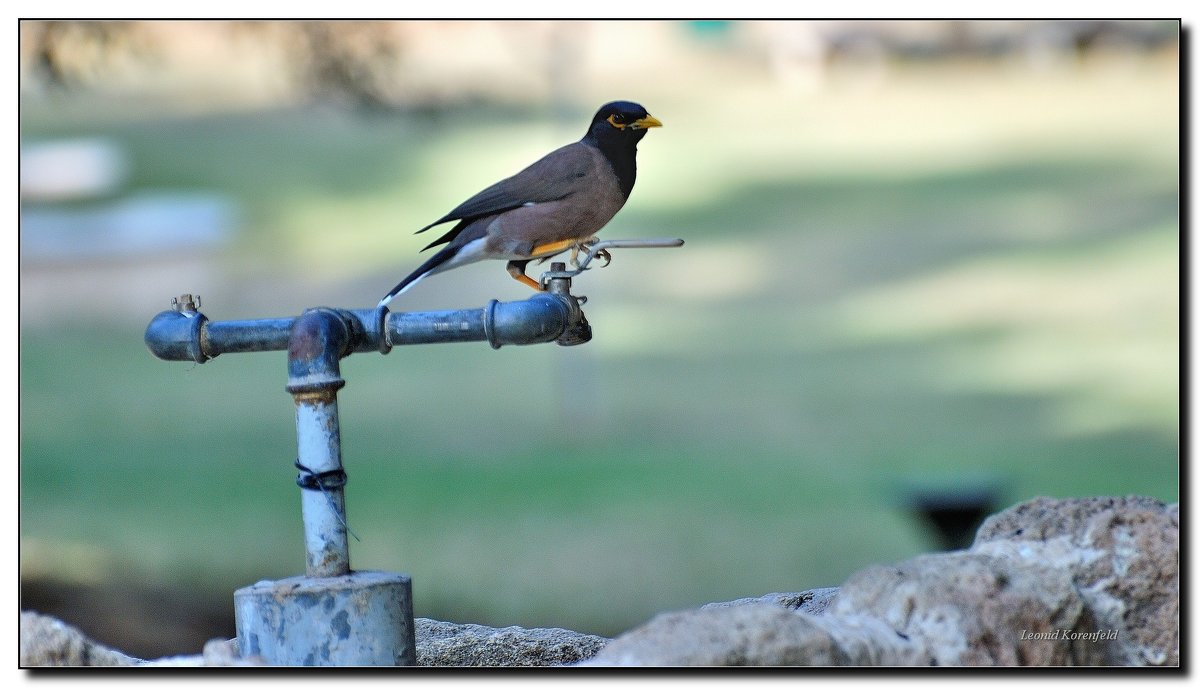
(583, 247)
(586, 247)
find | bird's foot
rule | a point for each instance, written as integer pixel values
(586, 247)
(581, 246)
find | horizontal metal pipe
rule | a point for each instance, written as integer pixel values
(175, 336)
(541, 318)
(231, 336)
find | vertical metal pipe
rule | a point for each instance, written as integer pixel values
(318, 340)
(323, 501)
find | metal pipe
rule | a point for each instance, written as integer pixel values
(318, 341)
(190, 336)
(234, 336)
(540, 318)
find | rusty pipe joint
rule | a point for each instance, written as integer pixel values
(577, 330)
(320, 338)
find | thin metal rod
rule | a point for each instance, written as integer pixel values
(599, 246)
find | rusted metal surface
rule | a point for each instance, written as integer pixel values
(319, 339)
(318, 439)
(364, 618)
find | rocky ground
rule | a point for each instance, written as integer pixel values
(1048, 582)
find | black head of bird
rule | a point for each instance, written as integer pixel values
(555, 204)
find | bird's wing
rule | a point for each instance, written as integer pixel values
(559, 174)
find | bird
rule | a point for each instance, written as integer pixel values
(558, 203)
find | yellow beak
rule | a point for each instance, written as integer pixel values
(645, 123)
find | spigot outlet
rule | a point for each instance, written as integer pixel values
(559, 284)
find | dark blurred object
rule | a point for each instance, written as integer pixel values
(140, 621)
(955, 512)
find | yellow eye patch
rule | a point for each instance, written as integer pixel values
(612, 119)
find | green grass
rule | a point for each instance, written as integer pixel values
(866, 301)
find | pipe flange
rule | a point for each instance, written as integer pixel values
(489, 324)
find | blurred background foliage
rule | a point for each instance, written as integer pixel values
(928, 264)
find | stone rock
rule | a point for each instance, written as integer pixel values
(813, 601)
(1047, 583)
(753, 634)
(440, 643)
(218, 652)
(969, 609)
(1121, 553)
(48, 642)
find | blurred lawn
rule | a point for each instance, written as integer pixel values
(959, 272)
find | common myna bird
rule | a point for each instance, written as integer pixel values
(555, 204)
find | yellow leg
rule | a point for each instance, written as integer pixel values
(516, 268)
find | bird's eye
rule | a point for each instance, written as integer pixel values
(617, 121)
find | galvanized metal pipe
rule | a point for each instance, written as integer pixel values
(235, 336)
(191, 336)
(540, 318)
(318, 341)
(364, 618)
